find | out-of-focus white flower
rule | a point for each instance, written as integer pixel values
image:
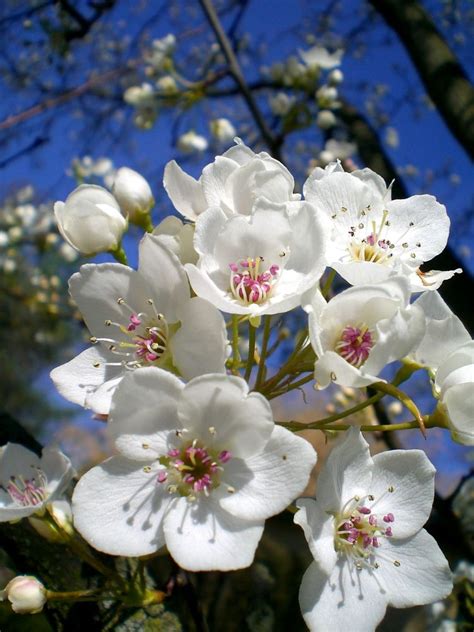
(139, 319)
(160, 50)
(326, 96)
(200, 468)
(140, 96)
(15, 233)
(281, 103)
(133, 193)
(321, 57)
(232, 182)
(455, 385)
(68, 253)
(222, 130)
(26, 594)
(361, 330)
(191, 142)
(91, 220)
(9, 266)
(335, 77)
(374, 237)
(4, 239)
(391, 137)
(29, 483)
(365, 534)
(339, 149)
(167, 85)
(326, 119)
(258, 264)
(177, 237)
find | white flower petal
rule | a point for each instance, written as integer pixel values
(184, 191)
(214, 178)
(202, 537)
(331, 367)
(101, 399)
(411, 476)
(318, 528)
(200, 345)
(423, 575)
(242, 422)
(206, 289)
(144, 413)
(58, 470)
(268, 482)
(432, 280)
(459, 400)
(119, 508)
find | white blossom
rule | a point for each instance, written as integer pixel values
(140, 96)
(261, 263)
(177, 237)
(133, 193)
(372, 236)
(281, 103)
(26, 594)
(321, 57)
(232, 182)
(190, 142)
(91, 220)
(139, 318)
(365, 533)
(326, 119)
(361, 330)
(28, 483)
(200, 468)
(222, 130)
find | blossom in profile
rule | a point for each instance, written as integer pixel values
(26, 594)
(260, 263)
(365, 533)
(361, 330)
(233, 182)
(133, 193)
(373, 236)
(139, 318)
(91, 220)
(200, 468)
(28, 483)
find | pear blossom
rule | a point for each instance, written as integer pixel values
(258, 264)
(140, 96)
(335, 77)
(222, 130)
(138, 319)
(177, 237)
(361, 330)
(326, 119)
(281, 103)
(321, 57)
(26, 594)
(372, 236)
(444, 332)
(365, 533)
(200, 467)
(133, 193)
(28, 483)
(90, 220)
(454, 384)
(191, 142)
(233, 182)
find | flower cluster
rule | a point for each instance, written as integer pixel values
(200, 463)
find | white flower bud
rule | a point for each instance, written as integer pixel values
(222, 129)
(192, 142)
(336, 77)
(325, 119)
(167, 85)
(26, 594)
(133, 193)
(90, 220)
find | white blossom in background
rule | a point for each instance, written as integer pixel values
(190, 143)
(365, 533)
(335, 77)
(281, 103)
(139, 318)
(140, 96)
(335, 150)
(326, 119)
(361, 330)
(261, 263)
(372, 236)
(167, 85)
(222, 130)
(160, 51)
(321, 57)
(232, 182)
(200, 468)
(444, 332)
(28, 483)
(26, 594)
(177, 237)
(326, 96)
(91, 220)
(133, 193)
(454, 385)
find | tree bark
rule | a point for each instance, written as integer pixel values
(439, 69)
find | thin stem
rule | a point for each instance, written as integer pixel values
(263, 354)
(284, 370)
(291, 386)
(236, 72)
(77, 595)
(235, 345)
(120, 255)
(393, 391)
(251, 352)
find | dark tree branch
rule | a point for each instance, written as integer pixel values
(440, 71)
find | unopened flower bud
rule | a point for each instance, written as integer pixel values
(192, 142)
(335, 77)
(133, 193)
(90, 220)
(325, 119)
(26, 594)
(222, 129)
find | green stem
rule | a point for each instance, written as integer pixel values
(328, 283)
(263, 355)
(284, 370)
(76, 595)
(251, 352)
(235, 345)
(393, 391)
(120, 255)
(291, 386)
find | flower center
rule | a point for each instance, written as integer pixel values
(360, 532)
(147, 337)
(250, 282)
(355, 344)
(193, 469)
(27, 492)
(372, 247)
